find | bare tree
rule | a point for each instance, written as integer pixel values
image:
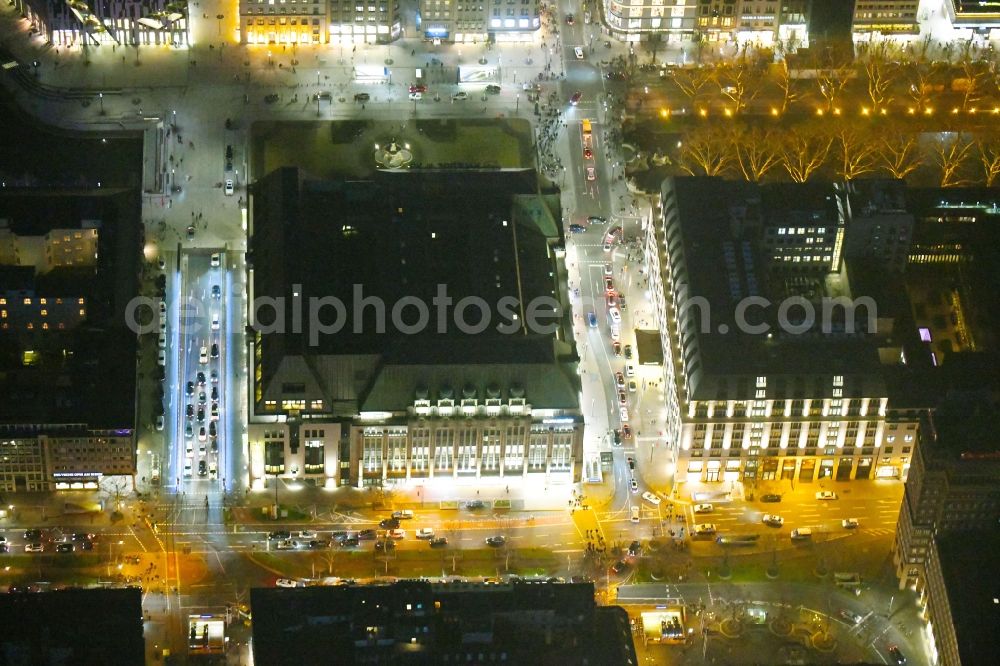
(705, 151)
(786, 84)
(922, 79)
(692, 81)
(832, 76)
(757, 152)
(327, 557)
(803, 151)
(115, 489)
(900, 154)
(988, 148)
(857, 152)
(950, 157)
(975, 76)
(880, 75)
(739, 81)
(453, 530)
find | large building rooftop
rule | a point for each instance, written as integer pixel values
(408, 237)
(416, 622)
(72, 627)
(67, 355)
(729, 258)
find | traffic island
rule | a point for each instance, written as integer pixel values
(780, 627)
(731, 628)
(823, 641)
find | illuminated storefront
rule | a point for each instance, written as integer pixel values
(111, 22)
(665, 625)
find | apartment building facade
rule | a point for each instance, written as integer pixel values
(755, 22)
(43, 457)
(108, 22)
(338, 22)
(794, 403)
(954, 481)
(471, 21)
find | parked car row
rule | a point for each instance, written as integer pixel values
(38, 541)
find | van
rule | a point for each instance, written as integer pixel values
(802, 533)
(404, 514)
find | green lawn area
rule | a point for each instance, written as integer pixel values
(334, 149)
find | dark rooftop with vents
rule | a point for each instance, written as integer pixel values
(725, 263)
(62, 627)
(401, 237)
(418, 622)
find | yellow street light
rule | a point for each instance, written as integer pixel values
(836, 111)
(884, 112)
(996, 109)
(728, 112)
(664, 113)
(819, 112)
(955, 110)
(864, 111)
(928, 112)
(972, 110)
(774, 111)
(911, 110)
(702, 112)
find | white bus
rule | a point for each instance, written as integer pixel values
(615, 322)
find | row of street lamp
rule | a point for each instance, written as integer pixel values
(865, 111)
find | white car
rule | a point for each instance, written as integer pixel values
(34, 548)
(288, 582)
(460, 96)
(286, 544)
(187, 470)
(772, 520)
(425, 533)
(607, 247)
(608, 270)
(229, 187)
(635, 514)
(216, 260)
(161, 357)
(395, 534)
(651, 498)
(629, 370)
(415, 96)
(623, 414)
(162, 342)
(703, 508)
(159, 422)
(307, 535)
(203, 355)
(850, 523)
(826, 495)
(215, 322)
(579, 53)
(703, 528)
